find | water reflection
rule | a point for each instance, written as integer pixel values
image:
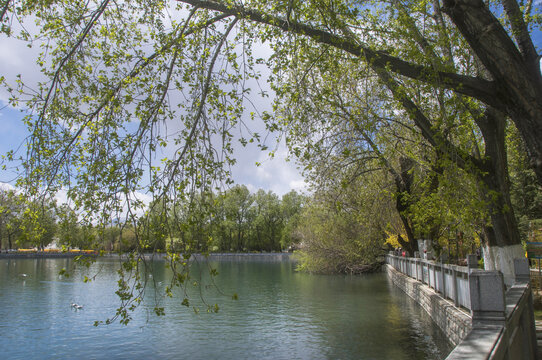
(280, 314)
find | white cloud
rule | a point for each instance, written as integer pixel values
(275, 174)
(17, 58)
(298, 185)
(61, 197)
(6, 187)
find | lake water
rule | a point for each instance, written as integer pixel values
(280, 314)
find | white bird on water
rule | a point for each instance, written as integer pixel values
(76, 307)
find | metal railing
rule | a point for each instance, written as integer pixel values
(450, 281)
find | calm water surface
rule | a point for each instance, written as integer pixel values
(280, 314)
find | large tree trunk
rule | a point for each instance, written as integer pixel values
(403, 183)
(410, 244)
(502, 243)
(515, 71)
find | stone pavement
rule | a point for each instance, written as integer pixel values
(538, 324)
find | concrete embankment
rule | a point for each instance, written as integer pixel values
(454, 322)
(246, 256)
(501, 322)
(271, 257)
(44, 255)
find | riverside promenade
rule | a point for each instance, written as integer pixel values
(538, 325)
(536, 283)
(483, 318)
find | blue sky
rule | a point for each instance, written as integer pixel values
(12, 135)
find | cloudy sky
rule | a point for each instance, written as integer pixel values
(277, 174)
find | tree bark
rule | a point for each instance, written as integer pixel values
(404, 188)
(516, 74)
(502, 237)
(405, 244)
(494, 176)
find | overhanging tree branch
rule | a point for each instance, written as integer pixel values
(137, 69)
(201, 103)
(519, 30)
(4, 8)
(517, 72)
(478, 88)
(95, 16)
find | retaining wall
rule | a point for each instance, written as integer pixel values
(501, 322)
(261, 257)
(455, 323)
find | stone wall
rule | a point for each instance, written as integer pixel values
(260, 257)
(455, 323)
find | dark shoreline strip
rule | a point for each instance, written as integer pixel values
(157, 256)
(43, 255)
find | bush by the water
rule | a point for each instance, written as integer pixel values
(335, 241)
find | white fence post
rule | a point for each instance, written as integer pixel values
(472, 262)
(487, 296)
(442, 279)
(522, 271)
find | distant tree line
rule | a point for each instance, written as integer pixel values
(233, 220)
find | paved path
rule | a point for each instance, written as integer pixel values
(538, 324)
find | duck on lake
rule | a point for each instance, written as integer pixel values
(76, 306)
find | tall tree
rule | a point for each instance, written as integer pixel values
(10, 212)
(37, 224)
(268, 221)
(292, 204)
(237, 205)
(448, 123)
(68, 231)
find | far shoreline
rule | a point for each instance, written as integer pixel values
(271, 256)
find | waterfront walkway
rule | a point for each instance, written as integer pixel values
(538, 324)
(535, 284)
